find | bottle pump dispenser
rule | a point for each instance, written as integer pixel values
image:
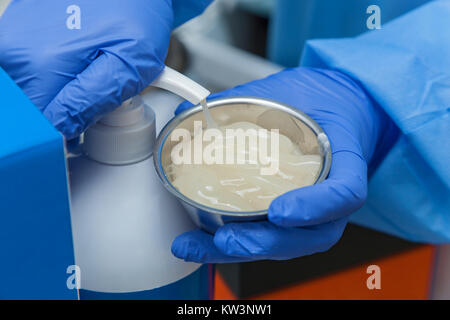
(123, 219)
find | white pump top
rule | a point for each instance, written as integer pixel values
(127, 134)
(124, 136)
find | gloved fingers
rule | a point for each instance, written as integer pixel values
(265, 240)
(101, 87)
(198, 246)
(341, 194)
(250, 241)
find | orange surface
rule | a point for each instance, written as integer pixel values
(403, 276)
(221, 290)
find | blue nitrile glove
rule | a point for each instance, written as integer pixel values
(76, 75)
(310, 219)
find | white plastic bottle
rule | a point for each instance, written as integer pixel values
(123, 219)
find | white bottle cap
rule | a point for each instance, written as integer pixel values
(124, 136)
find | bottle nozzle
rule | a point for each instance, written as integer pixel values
(181, 85)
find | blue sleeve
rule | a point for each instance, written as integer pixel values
(405, 67)
(185, 10)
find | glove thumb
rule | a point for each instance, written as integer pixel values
(341, 194)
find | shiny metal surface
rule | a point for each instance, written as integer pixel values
(306, 132)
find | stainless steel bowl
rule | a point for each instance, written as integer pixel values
(270, 114)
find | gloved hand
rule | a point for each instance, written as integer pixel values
(76, 75)
(313, 218)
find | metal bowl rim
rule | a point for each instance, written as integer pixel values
(219, 102)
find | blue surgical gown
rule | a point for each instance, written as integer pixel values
(405, 67)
